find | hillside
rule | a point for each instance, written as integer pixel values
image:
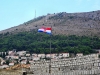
(35, 42)
(85, 23)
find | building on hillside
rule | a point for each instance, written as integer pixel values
(11, 64)
(12, 57)
(1, 61)
(53, 56)
(79, 54)
(41, 55)
(11, 53)
(34, 54)
(60, 55)
(36, 58)
(15, 57)
(48, 56)
(27, 55)
(21, 53)
(23, 61)
(65, 55)
(4, 66)
(23, 58)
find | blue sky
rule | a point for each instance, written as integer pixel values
(15, 12)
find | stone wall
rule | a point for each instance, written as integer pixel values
(89, 64)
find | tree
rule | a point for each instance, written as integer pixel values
(7, 62)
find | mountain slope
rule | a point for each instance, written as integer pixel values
(86, 23)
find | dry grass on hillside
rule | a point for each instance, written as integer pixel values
(10, 72)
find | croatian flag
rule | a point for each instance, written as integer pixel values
(41, 30)
(47, 30)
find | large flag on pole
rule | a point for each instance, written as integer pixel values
(47, 30)
(41, 30)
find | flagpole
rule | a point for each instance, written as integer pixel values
(50, 53)
(50, 57)
(49, 31)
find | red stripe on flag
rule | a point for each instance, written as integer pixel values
(48, 28)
